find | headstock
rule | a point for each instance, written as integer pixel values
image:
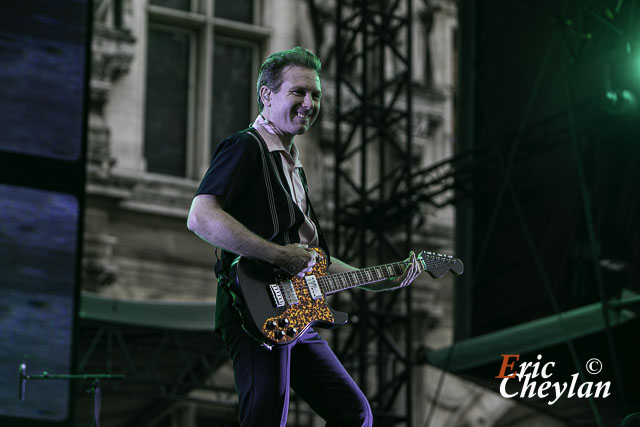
(437, 265)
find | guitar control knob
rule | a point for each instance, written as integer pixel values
(280, 334)
(271, 325)
(283, 322)
(292, 331)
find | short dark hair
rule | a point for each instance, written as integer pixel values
(271, 70)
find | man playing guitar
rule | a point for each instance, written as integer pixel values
(253, 202)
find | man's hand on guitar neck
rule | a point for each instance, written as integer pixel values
(296, 259)
(410, 274)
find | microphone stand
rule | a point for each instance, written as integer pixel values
(96, 386)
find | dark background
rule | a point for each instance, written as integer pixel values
(548, 107)
(543, 124)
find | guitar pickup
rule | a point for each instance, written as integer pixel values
(289, 292)
(314, 288)
(276, 295)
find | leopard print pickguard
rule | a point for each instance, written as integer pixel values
(308, 311)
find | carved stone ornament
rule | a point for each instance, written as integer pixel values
(112, 51)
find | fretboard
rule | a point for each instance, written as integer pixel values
(333, 283)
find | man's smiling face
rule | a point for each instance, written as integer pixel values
(296, 105)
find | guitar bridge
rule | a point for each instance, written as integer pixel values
(276, 295)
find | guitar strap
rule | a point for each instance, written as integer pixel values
(223, 266)
(267, 180)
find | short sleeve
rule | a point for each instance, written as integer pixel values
(232, 168)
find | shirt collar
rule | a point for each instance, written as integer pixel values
(266, 131)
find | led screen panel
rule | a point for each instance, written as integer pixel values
(38, 232)
(42, 52)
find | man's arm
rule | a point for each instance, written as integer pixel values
(208, 219)
(408, 276)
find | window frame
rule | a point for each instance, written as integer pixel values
(255, 57)
(205, 28)
(191, 88)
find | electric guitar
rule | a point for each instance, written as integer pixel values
(277, 309)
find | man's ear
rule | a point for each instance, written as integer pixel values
(265, 95)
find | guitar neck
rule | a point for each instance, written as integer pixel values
(333, 283)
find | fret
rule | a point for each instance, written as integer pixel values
(398, 269)
(369, 279)
(330, 285)
(349, 279)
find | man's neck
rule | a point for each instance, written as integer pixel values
(286, 139)
(287, 142)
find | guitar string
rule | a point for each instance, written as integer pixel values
(328, 283)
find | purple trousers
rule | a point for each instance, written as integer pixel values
(263, 379)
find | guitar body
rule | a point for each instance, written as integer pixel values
(270, 313)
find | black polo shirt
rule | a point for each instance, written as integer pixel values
(252, 182)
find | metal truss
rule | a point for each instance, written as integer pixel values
(160, 367)
(373, 205)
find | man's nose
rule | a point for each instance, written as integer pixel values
(308, 101)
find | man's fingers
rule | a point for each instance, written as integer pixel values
(411, 271)
(305, 271)
(309, 262)
(314, 255)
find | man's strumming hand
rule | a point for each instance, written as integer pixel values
(296, 259)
